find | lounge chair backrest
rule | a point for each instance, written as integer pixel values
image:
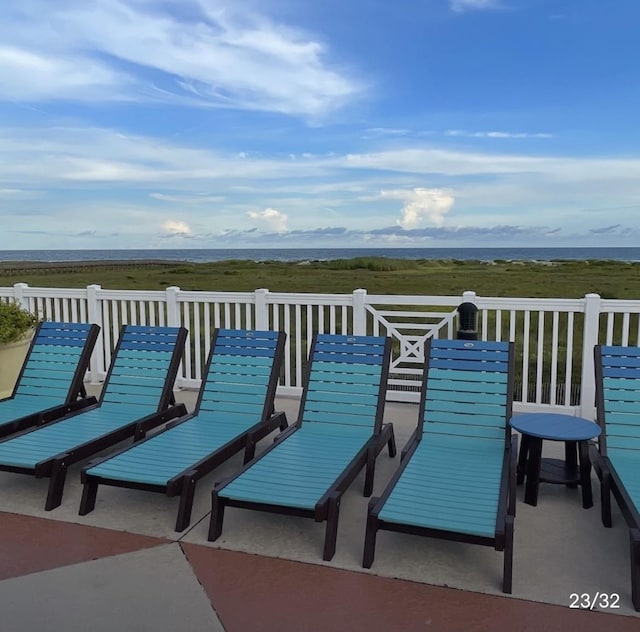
(242, 374)
(346, 381)
(57, 360)
(144, 366)
(468, 388)
(618, 396)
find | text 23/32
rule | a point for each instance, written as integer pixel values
(599, 600)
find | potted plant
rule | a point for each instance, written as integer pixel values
(16, 329)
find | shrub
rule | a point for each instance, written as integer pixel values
(15, 322)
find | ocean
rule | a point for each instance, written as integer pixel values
(324, 254)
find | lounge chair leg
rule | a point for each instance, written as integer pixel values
(534, 461)
(513, 468)
(605, 498)
(249, 451)
(522, 459)
(186, 503)
(392, 444)
(56, 484)
(89, 494)
(585, 475)
(369, 473)
(370, 535)
(507, 576)
(634, 536)
(217, 516)
(331, 532)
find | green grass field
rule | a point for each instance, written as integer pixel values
(564, 279)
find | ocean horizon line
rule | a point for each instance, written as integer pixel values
(208, 255)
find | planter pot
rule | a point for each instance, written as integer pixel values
(12, 357)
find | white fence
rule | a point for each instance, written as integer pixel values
(554, 338)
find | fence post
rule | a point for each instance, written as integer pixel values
(173, 309)
(18, 295)
(592, 307)
(94, 316)
(359, 312)
(261, 309)
(469, 296)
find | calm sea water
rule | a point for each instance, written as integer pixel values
(319, 254)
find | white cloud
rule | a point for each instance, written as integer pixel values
(421, 205)
(495, 134)
(276, 220)
(112, 173)
(208, 54)
(176, 227)
(459, 6)
(187, 199)
(30, 75)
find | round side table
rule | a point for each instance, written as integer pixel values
(574, 470)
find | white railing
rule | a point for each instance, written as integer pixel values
(554, 338)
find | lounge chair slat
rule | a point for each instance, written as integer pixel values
(356, 380)
(235, 397)
(468, 377)
(627, 399)
(462, 365)
(607, 351)
(624, 442)
(630, 363)
(487, 432)
(337, 397)
(257, 376)
(343, 418)
(468, 345)
(453, 395)
(615, 418)
(468, 355)
(480, 408)
(226, 362)
(630, 373)
(349, 352)
(322, 369)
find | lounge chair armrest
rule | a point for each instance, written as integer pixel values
(180, 419)
(79, 404)
(60, 411)
(410, 446)
(279, 417)
(285, 433)
(157, 419)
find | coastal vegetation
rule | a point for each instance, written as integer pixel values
(379, 275)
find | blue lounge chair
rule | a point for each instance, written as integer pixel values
(50, 383)
(617, 459)
(233, 412)
(457, 474)
(338, 433)
(137, 396)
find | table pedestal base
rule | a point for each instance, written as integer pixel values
(574, 470)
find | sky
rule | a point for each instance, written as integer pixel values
(333, 123)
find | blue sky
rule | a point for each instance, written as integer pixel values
(289, 123)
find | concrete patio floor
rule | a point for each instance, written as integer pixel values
(123, 567)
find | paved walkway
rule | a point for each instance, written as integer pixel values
(122, 567)
(62, 576)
